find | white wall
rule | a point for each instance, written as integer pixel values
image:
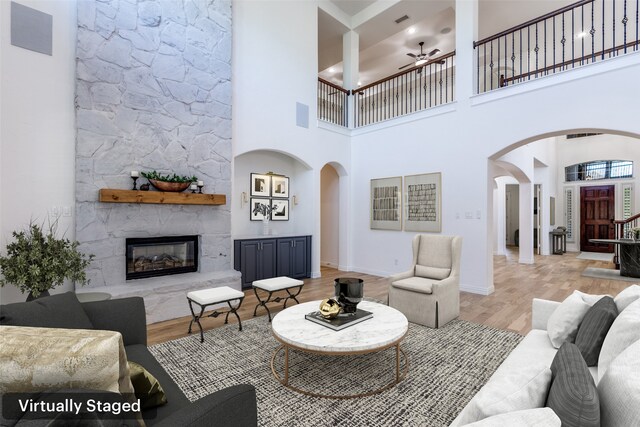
(512, 193)
(37, 128)
(330, 215)
(591, 148)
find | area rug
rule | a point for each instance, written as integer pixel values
(447, 366)
(595, 256)
(607, 274)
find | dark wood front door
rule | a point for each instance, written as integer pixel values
(597, 212)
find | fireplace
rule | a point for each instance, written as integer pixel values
(160, 256)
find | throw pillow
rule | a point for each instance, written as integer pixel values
(590, 298)
(538, 417)
(620, 389)
(55, 311)
(514, 390)
(432, 272)
(594, 328)
(147, 388)
(626, 297)
(624, 331)
(39, 359)
(564, 321)
(573, 395)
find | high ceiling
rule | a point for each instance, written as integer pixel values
(385, 43)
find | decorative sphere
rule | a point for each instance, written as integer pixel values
(329, 308)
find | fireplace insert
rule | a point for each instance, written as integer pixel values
(161, 256)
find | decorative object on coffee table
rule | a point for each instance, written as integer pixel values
(349, 291)
(329, 308)
(38, 261)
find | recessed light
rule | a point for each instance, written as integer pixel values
(359, 83)
(581, 35)
(411, 30)
(332, 70)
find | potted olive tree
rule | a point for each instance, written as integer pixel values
(37, 261)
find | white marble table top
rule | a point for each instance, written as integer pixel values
(387, 326)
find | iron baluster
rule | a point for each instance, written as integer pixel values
(593, 35)
(529, 53)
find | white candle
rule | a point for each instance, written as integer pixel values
(135, 174)
(201, 183)
(194, 187)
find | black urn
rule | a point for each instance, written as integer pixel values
(349, 292)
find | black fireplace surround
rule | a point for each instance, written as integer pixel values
(161, 256)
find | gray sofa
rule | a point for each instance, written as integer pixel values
(233, 406)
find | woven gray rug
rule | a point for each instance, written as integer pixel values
(447, 367)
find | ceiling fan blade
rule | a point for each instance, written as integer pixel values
(405, 66)
(411, 55)
(433, 52)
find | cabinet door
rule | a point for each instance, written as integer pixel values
(267, 259)
(299, 266)
(249, 262)
(285, 252)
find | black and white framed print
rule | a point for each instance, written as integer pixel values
(260, 208)
(279, 186)
(280, 211)
(386, 204)
(260, 185)
(423, 202)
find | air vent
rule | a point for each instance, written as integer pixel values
(401, 19)
(581, 135)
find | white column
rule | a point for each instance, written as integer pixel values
(499, 215)
(350, 68)
(466, 34)
(526, 223)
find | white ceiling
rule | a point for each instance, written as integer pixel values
(384, 44)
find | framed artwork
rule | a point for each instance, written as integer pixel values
(386, 204)
(260, 185)
(280, 211)
(279, 186)
(423, 202)
(255, 211)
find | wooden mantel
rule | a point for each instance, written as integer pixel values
(109, 195)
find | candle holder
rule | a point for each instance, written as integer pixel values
(135, 179)
(193, 188)
(200, 188)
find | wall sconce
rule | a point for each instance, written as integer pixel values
(295, 199)
(243, 199)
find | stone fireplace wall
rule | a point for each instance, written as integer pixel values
(153, 92)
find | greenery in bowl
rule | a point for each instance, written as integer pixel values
(168, 178)
(37, 260)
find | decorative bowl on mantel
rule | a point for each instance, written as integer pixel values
(173, 187)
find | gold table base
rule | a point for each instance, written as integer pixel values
(400, 375)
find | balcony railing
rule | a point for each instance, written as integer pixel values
(578, 34)
(407, 92)
(332, 103)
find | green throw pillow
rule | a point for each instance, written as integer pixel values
(146, 386)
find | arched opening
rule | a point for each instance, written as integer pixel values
(329, 217)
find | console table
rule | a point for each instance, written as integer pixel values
(629, 255)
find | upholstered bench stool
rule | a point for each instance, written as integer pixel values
(275, 284)
(207, 297)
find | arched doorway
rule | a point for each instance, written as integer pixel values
(329, 217)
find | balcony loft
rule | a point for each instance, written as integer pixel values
(566, 39)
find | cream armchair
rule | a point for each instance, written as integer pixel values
(429, 293)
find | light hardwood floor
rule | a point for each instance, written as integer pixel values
(509, 307)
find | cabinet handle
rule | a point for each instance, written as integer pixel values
(292, 243)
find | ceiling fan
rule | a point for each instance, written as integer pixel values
(421, 58)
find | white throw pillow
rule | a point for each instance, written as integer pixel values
(619, 390)
(564, 321)
(515, 390)
(538, 417)
(626, 297)
(590, 298)
(624, 331)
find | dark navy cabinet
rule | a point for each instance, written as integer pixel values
(264, 258)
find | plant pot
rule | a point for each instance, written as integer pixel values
(173, 187)
(30, 297)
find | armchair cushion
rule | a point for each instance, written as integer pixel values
(432, 272)
(415, 284)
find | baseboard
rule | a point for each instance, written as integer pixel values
(345, 268)
(476, 289)
(315, 274)
(329, 264)
(371, 272)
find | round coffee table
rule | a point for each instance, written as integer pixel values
(384, 330)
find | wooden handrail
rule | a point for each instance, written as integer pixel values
(625, 221)
(566, 63)
(334, 86)
(386, 79)
(532, 21)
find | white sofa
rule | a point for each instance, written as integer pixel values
(537, 351)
